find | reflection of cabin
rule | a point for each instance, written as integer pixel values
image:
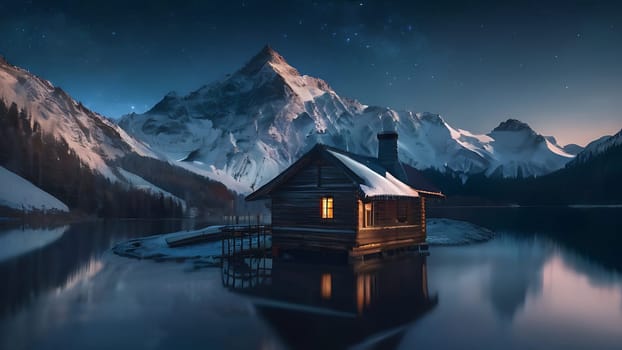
(335, 306)
(332, 199)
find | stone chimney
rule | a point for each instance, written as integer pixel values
(387, 147)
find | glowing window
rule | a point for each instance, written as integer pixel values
(368, 215)
(327, 207)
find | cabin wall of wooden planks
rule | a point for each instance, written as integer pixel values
(297, 204)
(397, 212)
(422, 212)
(373, 235)
(393, 219)
(297, 221)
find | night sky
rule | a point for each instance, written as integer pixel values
(556, 65)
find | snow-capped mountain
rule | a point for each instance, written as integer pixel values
(86, 160)
(597, 147)
(95, 139)
(246, 128)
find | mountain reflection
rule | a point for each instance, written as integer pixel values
(513, 276)
(317, 305)
(51, 258)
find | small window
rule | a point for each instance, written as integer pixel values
(327, 207)
(368, 215)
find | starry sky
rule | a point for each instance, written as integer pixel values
(553, 64)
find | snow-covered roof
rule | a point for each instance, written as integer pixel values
(375, 184)
(372, 178)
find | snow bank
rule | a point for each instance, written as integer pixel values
(18, 193)
(455, 232)
(20, 241)
(157, 248)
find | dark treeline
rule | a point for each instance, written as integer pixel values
(51, 165)
(596, 181)
(197, 191)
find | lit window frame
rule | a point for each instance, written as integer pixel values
(368, 215)
(327, 207)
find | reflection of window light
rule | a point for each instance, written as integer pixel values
(326, 286)
(363, 292)
(327, 207)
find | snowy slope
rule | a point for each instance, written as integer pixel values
(520, 150)
(18, 193)
(597, 147)
(246, 128)
(138, 182)
(95, 139)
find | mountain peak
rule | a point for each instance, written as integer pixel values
(512, 125)
(268, 52)
(267, 55)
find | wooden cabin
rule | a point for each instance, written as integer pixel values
(331, 199)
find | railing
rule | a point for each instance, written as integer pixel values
(249, 219)
(246, 240)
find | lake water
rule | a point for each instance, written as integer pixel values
(550, 279)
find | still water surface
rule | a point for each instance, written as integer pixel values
(550, 279)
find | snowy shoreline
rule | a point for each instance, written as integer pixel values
(156, 248)
(440, 232)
